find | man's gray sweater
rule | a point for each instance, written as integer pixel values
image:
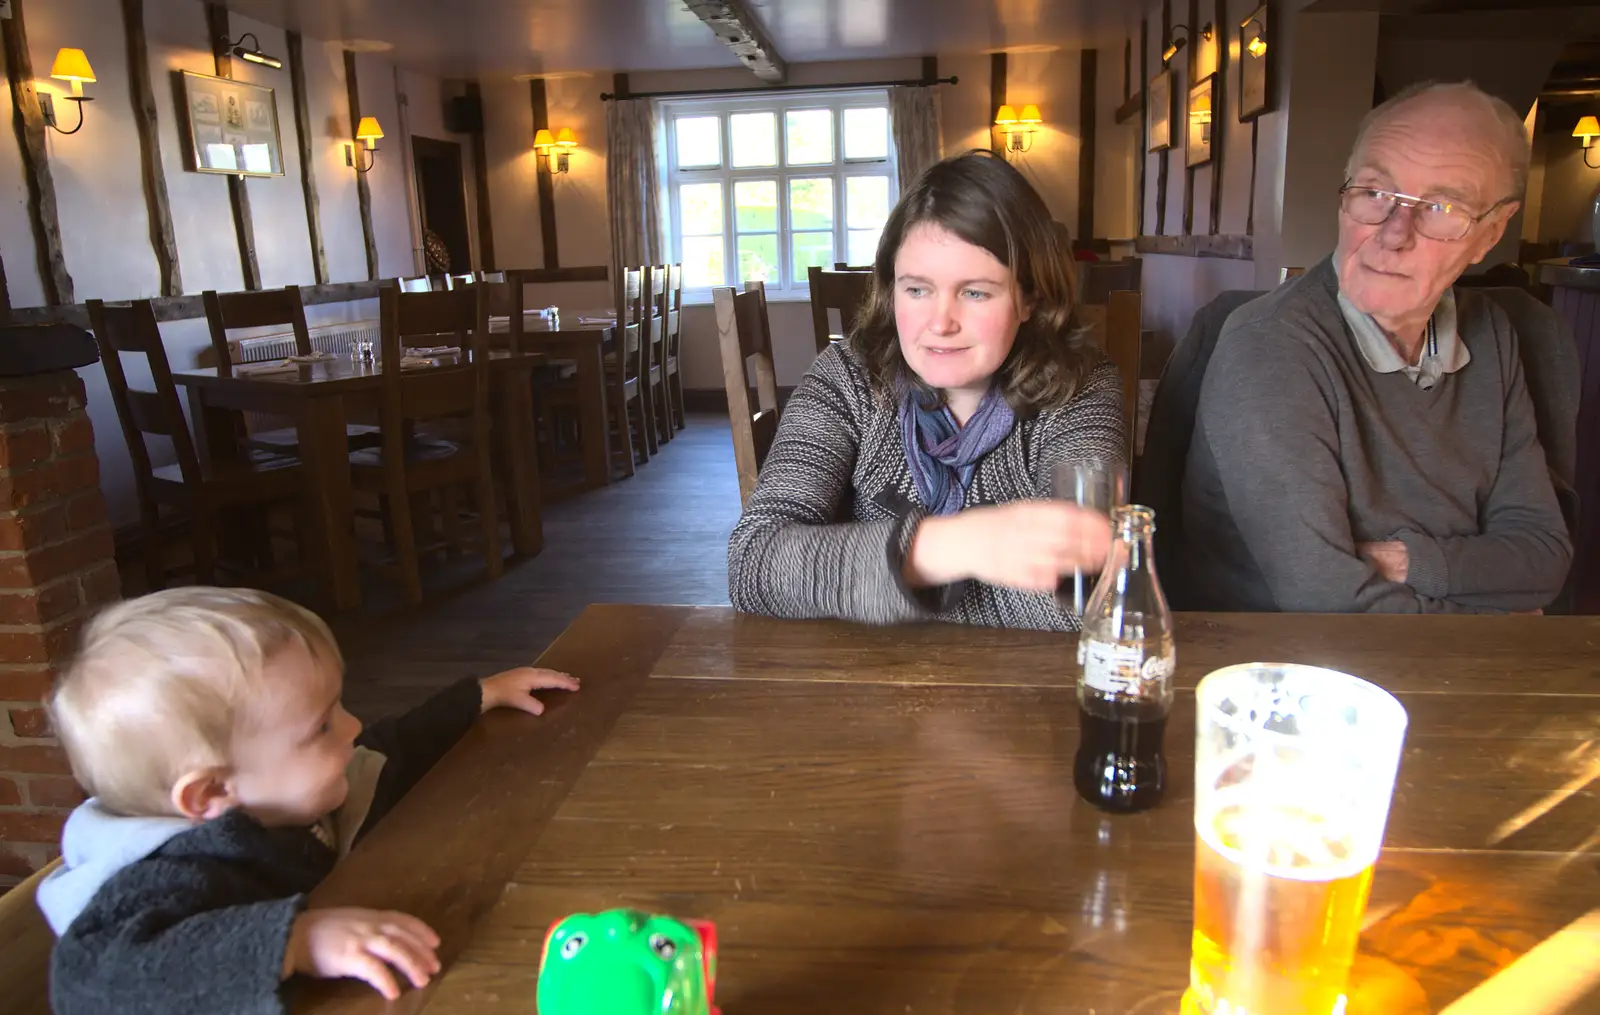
(1301, 451)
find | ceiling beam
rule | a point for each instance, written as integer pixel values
(738, 29)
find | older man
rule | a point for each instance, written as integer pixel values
(1365, 440)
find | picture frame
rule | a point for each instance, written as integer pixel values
(1255, 66)
(1158, 131)
(231, 126)
(1200, 121)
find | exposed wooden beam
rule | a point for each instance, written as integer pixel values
(1142, 163)
(183, 308)
(29, 123)
(997, 98)
(363, 191)
(1131, 107)
(1164, 158)
(738, 29)
(1189, 171)
(1088, 74)
(583, 273)
(143, 99)
(1232, 247)
(303, 130)
(544, 177)
(480, 180)
(243, 225)
(1220, 120)
(930, 69)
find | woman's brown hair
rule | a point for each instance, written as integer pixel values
(986, 202)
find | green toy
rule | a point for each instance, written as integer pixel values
(624, 962)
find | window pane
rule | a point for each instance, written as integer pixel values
(702, 261)
(701, 205)
(755, 139)
(812, 249)
(864, 246)
(810, 135)
(866, 133)
(811, 203)
(866, 201)
(755, 206)
(758, 257)
(699, 141)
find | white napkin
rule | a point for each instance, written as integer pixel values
(270, 367)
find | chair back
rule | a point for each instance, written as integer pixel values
(491, 276)
(452, 282)
(1115, 328)
(131, 328)
(454, 317)
(504, 299)
(265, 308)
(654, 288)
(419, 284)
(674, 304)
(1099, 279)
(627, 362)
(842, 291)
(746, 338)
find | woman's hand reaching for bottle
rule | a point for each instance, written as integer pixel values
(1028, 545)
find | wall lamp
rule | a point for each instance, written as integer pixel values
(71, 65)
(368, 131)
(1588, 128)
(253, 53)
(1018, 129)
(1257, 46)
(1174, 43)
(545, 146)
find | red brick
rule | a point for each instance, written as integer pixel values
(51, 481)
(18, 405)
(30, 723)
(41, 606)
(33, 529)
(24, 446)
(72, 435)
(86, 511)
(14, 571)
(40, 567)
(34, 760)
(54, 791)
(101, 584)
(25, 683)
(10, 792)
(40, 644)
(31, 826)
(13, 864)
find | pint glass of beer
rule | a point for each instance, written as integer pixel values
(1294, 770)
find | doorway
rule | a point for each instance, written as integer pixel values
(442, 203)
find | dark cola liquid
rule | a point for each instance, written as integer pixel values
(1120, 766)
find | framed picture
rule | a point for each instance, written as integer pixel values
(1201, 94)
(232, 126)
(1254, 66)
(1159, 100)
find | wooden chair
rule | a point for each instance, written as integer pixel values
(674, 376)
(453, 282)
(419, 284)
(268, 308)
(1102, 278)
(844, 291)
(654, 321)
(491, 276)
(745, 335)
(25, 960)
(203, 490)
(1114, 327)
(400, 469)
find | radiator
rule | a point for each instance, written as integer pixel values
(332, 338)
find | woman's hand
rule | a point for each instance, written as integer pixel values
(1026, 545)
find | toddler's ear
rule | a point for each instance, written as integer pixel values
(203, 794)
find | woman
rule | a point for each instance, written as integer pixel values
(911, 471)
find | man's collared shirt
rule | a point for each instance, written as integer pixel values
(1443, 352)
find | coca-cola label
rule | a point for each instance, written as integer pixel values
(1120, 669)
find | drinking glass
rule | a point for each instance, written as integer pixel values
(1095, 483)
(363, 351)
(1294, 771)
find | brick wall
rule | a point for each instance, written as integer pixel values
(56, 569)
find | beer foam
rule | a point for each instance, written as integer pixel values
(1297, 830)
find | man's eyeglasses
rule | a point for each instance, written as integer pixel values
(1437, 220)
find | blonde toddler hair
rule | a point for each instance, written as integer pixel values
(163, 683)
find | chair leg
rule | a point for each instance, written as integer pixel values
(619, 401)
(488, 517)
(405, 537)
(640, 417)
(203, 540)
(155, 567)
(679, 414)
(663, 414)
(647, 426)
(450, 520)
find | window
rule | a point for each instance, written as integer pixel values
(763, 187)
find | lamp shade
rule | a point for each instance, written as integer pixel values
(72, 65)
(566, 138)
(1257, 47)
(1030, 114)
(1005, 115)
(1587, 127)
(368, 129)
(543, 139)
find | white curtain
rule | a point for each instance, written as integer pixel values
(914, 120)
(633, 186)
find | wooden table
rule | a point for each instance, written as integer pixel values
(883, 820)
(320, 397)
(583, 344)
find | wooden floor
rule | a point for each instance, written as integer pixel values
(659, 537)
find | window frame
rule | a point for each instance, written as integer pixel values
(724, 107)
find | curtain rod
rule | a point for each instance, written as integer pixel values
(686, 93)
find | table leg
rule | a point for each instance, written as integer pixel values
(592, 406)
(519, 467)
(327, 463)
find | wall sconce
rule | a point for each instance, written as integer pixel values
(1174, 43)
(369, 131)
(563, 139)
(1257, 46)
(71, 65)
(1588, 128)
(1018, 129)
(253, 53)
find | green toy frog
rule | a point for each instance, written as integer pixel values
(624, 962)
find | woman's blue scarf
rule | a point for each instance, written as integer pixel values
(942, 455)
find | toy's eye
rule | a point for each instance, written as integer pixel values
(573, 945)
(663, 947)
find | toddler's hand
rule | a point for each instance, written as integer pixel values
(363, 944)
(514, 688)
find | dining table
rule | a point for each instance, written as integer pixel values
(883, 819)
(581, 339)
(321, 396)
